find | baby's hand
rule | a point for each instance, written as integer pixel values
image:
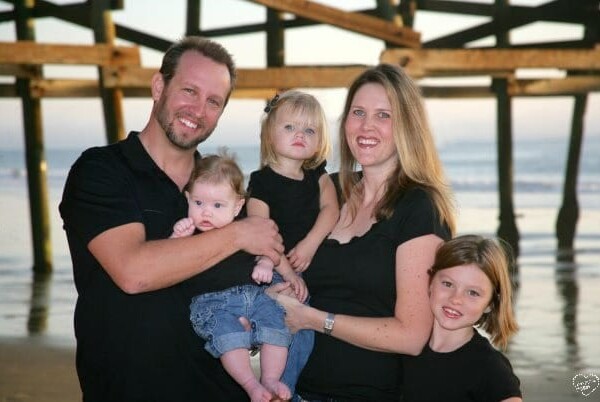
(263, 270)
(183, 228)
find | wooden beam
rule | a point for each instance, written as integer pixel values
(65, 88)
(520, 18)
(30, 52)
(355, 22)
(298, 77)
(577, 85)
(19, 70)
(85, 88)
(73, 89)
(429, 62)
(466, 92)
(251, 78)
(572, 12)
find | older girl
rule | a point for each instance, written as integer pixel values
(469, 287)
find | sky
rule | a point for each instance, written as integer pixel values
(78, 123)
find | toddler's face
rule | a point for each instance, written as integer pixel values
(296, 136)
(212, 205)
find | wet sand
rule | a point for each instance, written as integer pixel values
(32, 370)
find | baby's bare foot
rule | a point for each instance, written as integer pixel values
(278, 388)
(257, 392)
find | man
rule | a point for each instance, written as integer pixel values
(134, 338)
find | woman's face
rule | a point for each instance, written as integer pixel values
(368, 128)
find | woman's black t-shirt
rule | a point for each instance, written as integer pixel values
(358, 278)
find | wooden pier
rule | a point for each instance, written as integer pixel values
(121, 74)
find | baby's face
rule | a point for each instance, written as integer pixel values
(212, 205)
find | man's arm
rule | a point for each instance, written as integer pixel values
(137, 265)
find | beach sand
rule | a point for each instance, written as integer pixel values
(36, 371)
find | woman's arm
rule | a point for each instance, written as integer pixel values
(406, 332)
(301, 255)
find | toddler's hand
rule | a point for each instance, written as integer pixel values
(301, 256)
(298, 285)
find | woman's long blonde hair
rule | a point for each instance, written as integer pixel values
(418, 160)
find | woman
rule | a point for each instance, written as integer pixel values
(368, 280)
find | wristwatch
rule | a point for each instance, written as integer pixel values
(328, 325)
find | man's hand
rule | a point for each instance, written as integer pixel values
(259, 236)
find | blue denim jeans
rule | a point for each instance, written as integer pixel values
(298, 353)
(215, 318)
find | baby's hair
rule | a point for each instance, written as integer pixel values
(296, 103)
(489, 255)
(218, 168)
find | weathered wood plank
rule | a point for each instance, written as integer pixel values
(564, 86)
(428, 62)
(249, 78)
(30, 52)
(356, 22)
(81, 88)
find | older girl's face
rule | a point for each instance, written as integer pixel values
(459, 296)
(368, 128)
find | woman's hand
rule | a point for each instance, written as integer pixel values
(285, 296)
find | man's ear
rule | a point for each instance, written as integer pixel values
(157, 86)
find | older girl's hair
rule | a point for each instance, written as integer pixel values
(218, 168)
(206, 47)
(300, 104)
(418, 160)
(493, 259)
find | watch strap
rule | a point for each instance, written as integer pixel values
(328, 325)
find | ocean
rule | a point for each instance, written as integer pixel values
(556, 302)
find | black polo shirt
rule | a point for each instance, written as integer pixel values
(133, 347)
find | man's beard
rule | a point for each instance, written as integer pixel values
(167, 126)
(180, 142)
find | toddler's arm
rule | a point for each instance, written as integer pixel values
(183, 228)
(301, 255)
(260, 208)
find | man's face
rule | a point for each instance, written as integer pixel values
(189, 108)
